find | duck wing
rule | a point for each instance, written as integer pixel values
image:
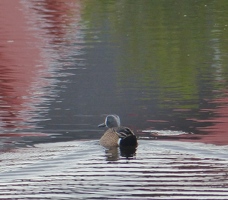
(123, 132)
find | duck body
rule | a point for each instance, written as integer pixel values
(117, 135)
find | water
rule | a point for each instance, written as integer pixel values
(160, 65)
(83, 170)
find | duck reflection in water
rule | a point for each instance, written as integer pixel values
(115, 153)
(118, 136)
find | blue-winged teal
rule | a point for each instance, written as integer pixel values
(117, 135)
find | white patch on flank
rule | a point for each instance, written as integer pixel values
(119, 141)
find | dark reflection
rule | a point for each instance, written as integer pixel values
(116, 153)
(128, 152)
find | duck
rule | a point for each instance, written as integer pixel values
(117, 135)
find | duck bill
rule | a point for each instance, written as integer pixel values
(102, 125)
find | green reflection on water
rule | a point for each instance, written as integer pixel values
(168, 50)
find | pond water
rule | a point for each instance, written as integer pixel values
(162, 66)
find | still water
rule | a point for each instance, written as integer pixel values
(162, 66)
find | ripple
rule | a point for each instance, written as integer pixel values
(159, 170)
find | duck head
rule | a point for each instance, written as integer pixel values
(111, 121)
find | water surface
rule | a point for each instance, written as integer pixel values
(160, 65)
(83, 170)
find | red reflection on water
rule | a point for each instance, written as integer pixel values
(212, 130)
(58, 15)
(23, 47)
(18, 68)
(217, 133)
